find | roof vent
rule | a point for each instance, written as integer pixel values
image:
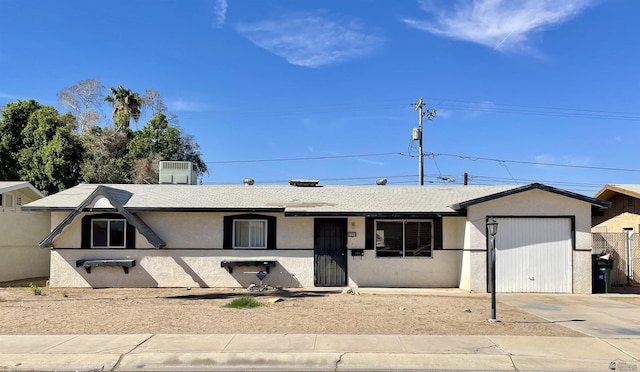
(381, 181)
(304, 183)
(248, 181)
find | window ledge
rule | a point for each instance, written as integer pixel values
(229, 265)
(88, 264)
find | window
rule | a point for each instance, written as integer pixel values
(398, 238)
(250, 234)
(249, 231)
(7, 201)
(107, 230)
(108, 233)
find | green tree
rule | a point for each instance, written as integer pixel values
(51, 151)
(126, 106)
(14, 119)
(106, 159)
(157, 141)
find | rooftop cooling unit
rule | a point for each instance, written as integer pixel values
(178, 172)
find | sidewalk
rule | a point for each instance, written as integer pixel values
(611, 342)
(299, 352)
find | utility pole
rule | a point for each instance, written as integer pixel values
(417, 135)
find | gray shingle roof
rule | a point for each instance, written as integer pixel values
(291, 199)
(6, 186)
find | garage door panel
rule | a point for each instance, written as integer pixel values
(534, 255)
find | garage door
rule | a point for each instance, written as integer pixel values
(534, 255)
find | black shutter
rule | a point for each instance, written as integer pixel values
(437, 233)
(85, 241)
(369, 225)
(227, 238)
(131, 235)
(271, 232)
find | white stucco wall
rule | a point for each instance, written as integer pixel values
(180, 268)
(20, 234)
(194, 251)
(529, 203)
(441, 271)
(191, 257)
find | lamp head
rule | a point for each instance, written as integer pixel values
(492, 226)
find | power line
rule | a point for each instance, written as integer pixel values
(306, 158)
(450, 103)
(432, 154)
(506, 108)
(474, 158)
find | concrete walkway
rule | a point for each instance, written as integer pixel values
(314, 352)
(611, 341)
(594, 315)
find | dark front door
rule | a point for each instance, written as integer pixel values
(330, 248)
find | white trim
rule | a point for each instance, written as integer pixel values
(404, 237)
(265, 237)
(109, 220)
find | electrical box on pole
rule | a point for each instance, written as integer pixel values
(416, 135)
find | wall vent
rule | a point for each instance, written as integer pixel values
(304, 183)
(178, 172)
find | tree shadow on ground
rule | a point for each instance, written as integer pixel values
(267, 293)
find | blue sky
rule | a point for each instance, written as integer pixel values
(525, 91)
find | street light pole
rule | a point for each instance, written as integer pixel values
(492, 229)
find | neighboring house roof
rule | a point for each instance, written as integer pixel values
(609, 191)
(292, 200)
(23, 186)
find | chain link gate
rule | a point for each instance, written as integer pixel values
(625, 251)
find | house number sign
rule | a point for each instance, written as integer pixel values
(261, 275)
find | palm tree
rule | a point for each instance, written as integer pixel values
(126, 105)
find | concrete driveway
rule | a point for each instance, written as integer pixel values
(594, 315)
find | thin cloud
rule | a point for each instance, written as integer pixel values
(311, 40)
(187, 106)
(4, 95)
(564, 160)
(360, 160)
(367, 161)
(502, 25)
(476, 109)
(220, 13)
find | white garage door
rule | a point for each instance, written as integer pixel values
(534, 254)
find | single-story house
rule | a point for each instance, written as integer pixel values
(617, 231)
(304, 235)
(624, 214)
(20, 233)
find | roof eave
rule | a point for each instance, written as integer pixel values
(614, 189)
(24, 185)
(533, 186)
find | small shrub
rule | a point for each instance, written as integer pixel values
(37, 291)
(65, 294)
(244, 302)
